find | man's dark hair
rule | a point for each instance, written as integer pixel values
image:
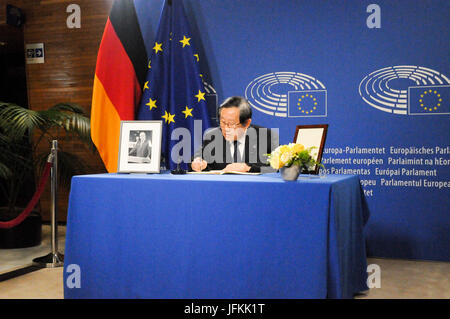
(245, 111)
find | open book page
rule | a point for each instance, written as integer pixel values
(221, 172)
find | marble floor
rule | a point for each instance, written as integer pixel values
(410, 279)
(399, 279)
(12, 259)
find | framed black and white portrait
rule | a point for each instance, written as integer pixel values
(140, 146)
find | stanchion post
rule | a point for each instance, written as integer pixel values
(53, 259)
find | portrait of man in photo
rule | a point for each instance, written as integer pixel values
(142, 146)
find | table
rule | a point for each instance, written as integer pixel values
(189, 236)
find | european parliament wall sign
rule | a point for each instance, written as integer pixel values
(288, 94)
(407, 90)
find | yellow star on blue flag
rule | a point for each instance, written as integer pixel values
(187, 112)
(168, 117)
(185, 41)
(157, 47)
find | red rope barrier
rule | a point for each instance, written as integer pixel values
(16, 221)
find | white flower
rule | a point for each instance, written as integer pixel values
(285, 157)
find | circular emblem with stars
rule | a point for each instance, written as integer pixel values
(307, 103)
(430, 100)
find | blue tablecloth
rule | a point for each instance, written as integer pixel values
(206, 236)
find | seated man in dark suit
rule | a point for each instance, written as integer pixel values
(236, 145)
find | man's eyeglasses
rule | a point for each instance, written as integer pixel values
(230, 125)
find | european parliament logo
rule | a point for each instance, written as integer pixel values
(288, 94)
(407, 90)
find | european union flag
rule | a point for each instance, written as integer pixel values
(307, 103)
(174, 91)
(429, 100)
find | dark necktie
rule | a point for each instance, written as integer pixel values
(236, 157)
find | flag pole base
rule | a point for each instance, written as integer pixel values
(49, 261)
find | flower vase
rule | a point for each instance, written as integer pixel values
(290, 173)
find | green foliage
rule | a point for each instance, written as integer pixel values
(303, 158)
(24, 132)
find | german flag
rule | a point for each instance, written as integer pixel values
(119, 79)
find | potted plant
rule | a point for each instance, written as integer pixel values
(25, 142)
(292, 159)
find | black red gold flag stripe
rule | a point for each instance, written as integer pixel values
(119, 78)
